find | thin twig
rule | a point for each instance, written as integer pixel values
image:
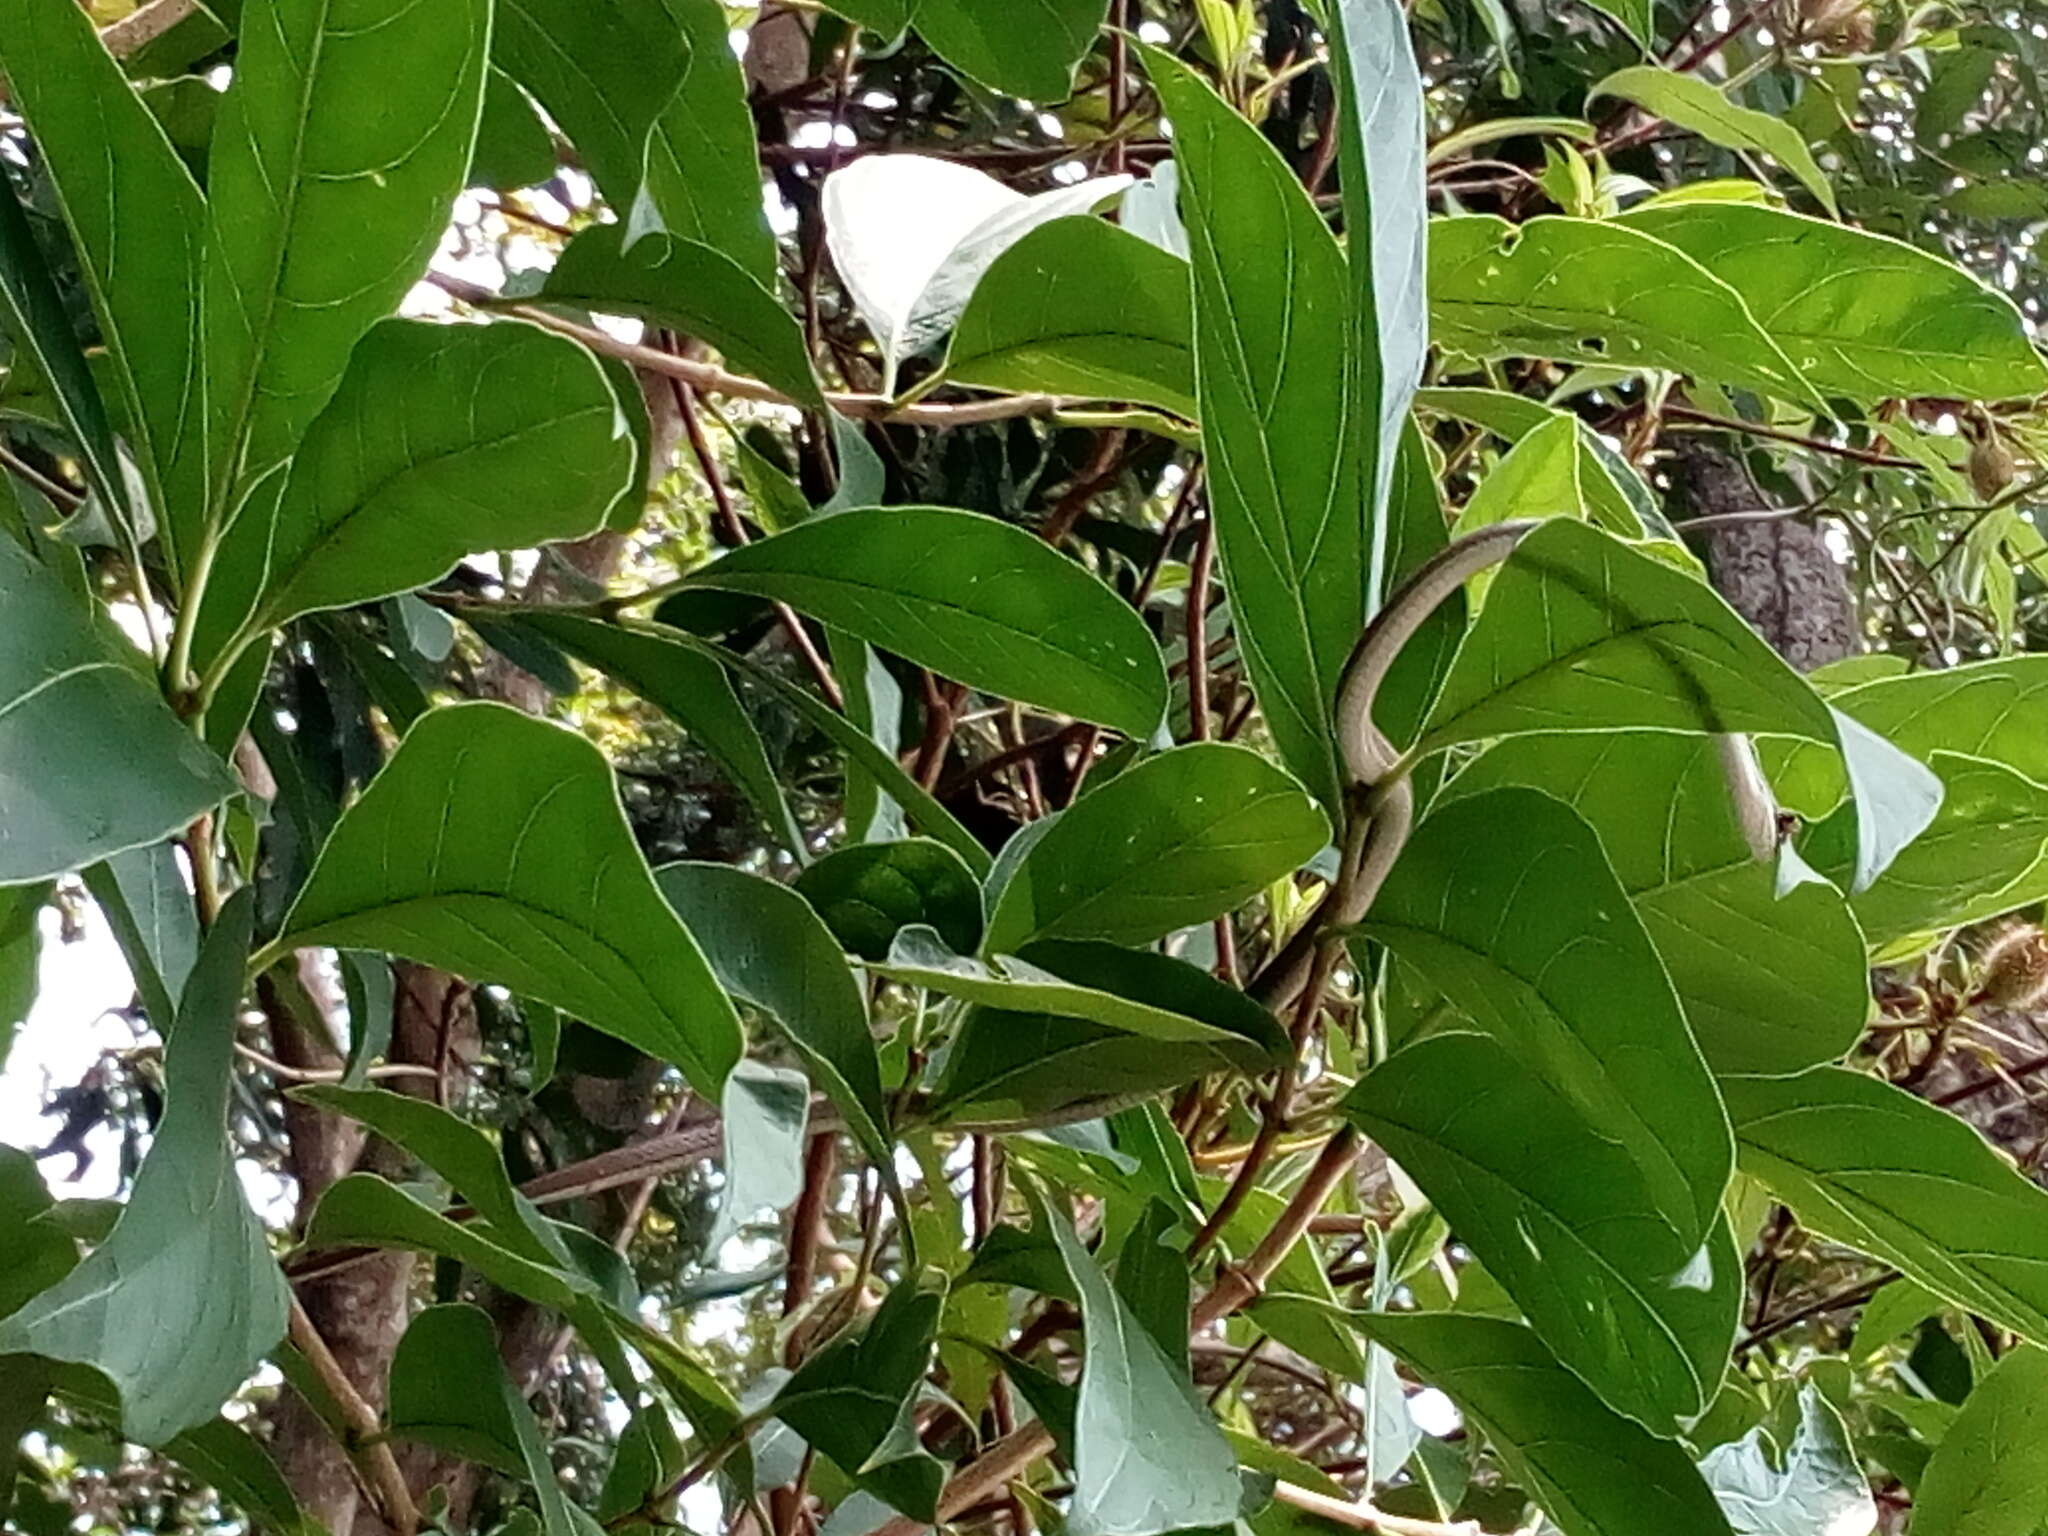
(363, 1422)
(1685, 413)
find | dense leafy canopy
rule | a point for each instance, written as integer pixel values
(1115, 767)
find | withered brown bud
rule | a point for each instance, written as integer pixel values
(2014, 970)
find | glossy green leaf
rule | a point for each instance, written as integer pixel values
(696, 289)
(867, 893)
(1077, 1021)
(1593, 1472)
(1148, 1457)
(91, 761)
(1582, 633)
(763, 1116)
(1506, 902)
(182, 1300)
(1989, 1476)
(1596, 292)
(1816, 1486)
(853, 1401)
(974, 599)
(1174, 841)
(1696, 104)
(38, 1252)
(493, 844)
(322, 215)
(1770, 982)
(1859, 314)
(440, 441)
(142, 894)
(137, 221)
(691, 689)
(1986, 709)
(1081, 307)
(1558, 1207)
(768, 948)
(1871, 1166)
(1290, 476)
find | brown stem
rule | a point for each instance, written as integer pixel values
(1198, 630)
(807, 1219)
(1780, 435)
(400, 1512)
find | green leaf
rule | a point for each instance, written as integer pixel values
(1077, 1021)
(688, 686)
(977, 600)
(763, 1113)
(1989, 1476)
(1770, 982)
(1290, 476)
(854, 1401)
(694, 288)
(768, 948)
(1638, 16)
(1819, 1487)
(1559, 1208)
(137, 222)
(38, 1252)
(42, 332)
(1174, 841)
(91, 761)
(1986, 709)
(1135, 992)
(513, 147)
(143, 897)
(1871, 1166)
(869, 892)
(1861, 315)
(182, 1300)
(226, 1457)
(1595, 292)
(449, 1389)
(438, 1394)
(322, 215)
(458, 1152)
(1984, 853)
(1594, 1473)
(363, 1209)
(1148, 1457)
(1506, 902)
(924, 812)
(493, 844)
(911, 235)
(440, 441)
(644, 91)
(1030, 54)
(1699, 106)
(1582, 633)
(21, 946)
(1081, 307)
(1386, 208)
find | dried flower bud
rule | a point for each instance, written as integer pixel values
(2014, 969)
(1992, 466)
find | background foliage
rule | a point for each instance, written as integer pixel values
(1128, 769)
